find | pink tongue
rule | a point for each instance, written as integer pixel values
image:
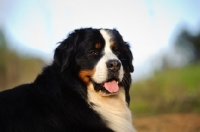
(112, 87)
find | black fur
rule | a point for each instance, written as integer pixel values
(57, 100)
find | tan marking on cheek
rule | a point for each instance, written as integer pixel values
(97, 45)
(85, 75)
(113, 44)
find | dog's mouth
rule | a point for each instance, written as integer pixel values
(109, 87)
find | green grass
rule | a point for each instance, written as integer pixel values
(168, 91)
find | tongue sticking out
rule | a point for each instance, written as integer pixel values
(112, 86)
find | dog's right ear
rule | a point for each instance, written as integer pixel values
(64, 55)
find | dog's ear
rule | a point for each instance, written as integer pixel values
(127, 53)
(129, 56)
(64, 54)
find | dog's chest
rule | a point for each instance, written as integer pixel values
(113, 110)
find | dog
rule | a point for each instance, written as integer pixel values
(84, 89)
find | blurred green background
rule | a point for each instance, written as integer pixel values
(172, 89)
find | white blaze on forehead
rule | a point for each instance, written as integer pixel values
(108, 52)
(101, 71)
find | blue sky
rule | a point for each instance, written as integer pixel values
(35, 26)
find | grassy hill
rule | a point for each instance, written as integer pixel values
(168, 91)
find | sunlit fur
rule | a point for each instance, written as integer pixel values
(113, 109)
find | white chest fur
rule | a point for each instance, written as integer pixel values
(113, 109)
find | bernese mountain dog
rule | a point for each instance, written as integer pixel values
(84, 89)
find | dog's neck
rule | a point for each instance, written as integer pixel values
(112, 109)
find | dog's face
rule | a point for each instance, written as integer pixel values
(97, 56)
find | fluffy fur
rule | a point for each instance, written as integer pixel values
(86, 88)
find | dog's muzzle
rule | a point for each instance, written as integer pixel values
(110, 85)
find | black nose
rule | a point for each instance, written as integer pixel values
(113, 65)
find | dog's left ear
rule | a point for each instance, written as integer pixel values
(129, 56)
(65, 53)
(128, 53)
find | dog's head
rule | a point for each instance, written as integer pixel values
(96, 56)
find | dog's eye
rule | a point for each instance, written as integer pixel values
(117, 52)
(92, 53)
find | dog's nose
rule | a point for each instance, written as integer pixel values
(113, 65)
